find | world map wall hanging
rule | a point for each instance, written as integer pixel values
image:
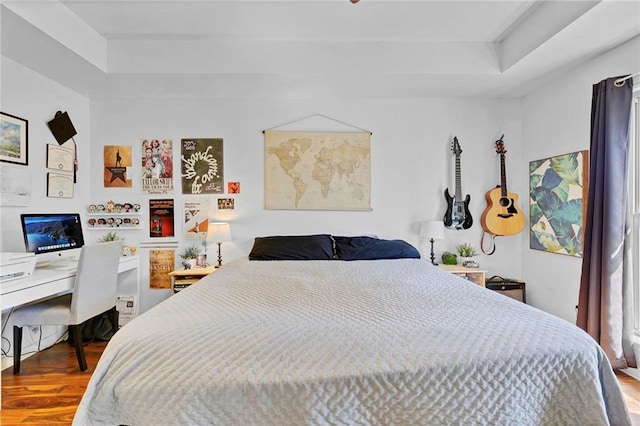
(557, 203)
(317, 170)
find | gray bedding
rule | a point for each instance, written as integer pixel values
(349, 343)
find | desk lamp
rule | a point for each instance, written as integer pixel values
(219, 232)
(434, 230)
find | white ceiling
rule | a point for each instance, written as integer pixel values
(305, 48)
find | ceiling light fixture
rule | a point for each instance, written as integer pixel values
(354, 1)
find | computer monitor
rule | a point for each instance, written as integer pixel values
(52, 236)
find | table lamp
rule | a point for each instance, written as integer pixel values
(219, 232)
(434, 230)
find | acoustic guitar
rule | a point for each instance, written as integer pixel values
(502, 215)
(457, 215)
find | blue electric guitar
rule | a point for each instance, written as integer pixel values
(458, 215)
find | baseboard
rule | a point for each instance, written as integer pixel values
(632, 372)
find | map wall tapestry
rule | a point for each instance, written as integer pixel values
(557, 203)
(117, 160)
(202, 166)
(157, 166)
(317, 170)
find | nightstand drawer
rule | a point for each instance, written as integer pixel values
(183, 278)
(474, 275)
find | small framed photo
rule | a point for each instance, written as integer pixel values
(226, 204)
(201, 261)
(233, 187)
(14, 139)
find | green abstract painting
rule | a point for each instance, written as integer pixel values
(557, 203)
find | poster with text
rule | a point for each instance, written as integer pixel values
(117, 161)
(202, 166)
(161, 262)
(161, 214)
(196, 218)
(157, 166)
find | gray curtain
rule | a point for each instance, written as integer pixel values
(605, 308)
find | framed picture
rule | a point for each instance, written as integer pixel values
(226, 204)
(59, 185)
(558, 188)
(14, 139)
(60, 158)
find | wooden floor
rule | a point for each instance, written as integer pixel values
(50, 386)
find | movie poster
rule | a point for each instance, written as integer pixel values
(157, 166)
(161, 262)
(196, 218)
(161, 218)
(117, 160)
(202, 166)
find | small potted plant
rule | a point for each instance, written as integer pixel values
(189, 255)
(112, 236)
(468, 255)
(449, 258)
(109, 236)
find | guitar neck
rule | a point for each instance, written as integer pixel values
(503, 175)
(458, 195)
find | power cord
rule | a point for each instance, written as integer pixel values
(6, 352)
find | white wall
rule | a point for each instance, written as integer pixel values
(556, 120)
(35, 98)
(411, 164)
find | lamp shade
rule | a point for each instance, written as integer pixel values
(218, 232)
(432, 229)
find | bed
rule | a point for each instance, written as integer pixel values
(334, 342)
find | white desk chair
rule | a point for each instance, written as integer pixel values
(94, 292)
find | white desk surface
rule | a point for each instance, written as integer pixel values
(46, 282)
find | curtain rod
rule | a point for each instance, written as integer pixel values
(620, 81)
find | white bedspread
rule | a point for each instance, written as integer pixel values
(385, 342)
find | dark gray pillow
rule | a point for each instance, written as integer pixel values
(293, 247)
(368, 248)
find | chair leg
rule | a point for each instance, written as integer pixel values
(17, 348)
(114, 318)
(76, 331)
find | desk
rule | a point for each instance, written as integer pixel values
(46, 282)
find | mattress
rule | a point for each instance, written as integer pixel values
(349, 343)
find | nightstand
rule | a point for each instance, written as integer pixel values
(183, 278)
(474, 275)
